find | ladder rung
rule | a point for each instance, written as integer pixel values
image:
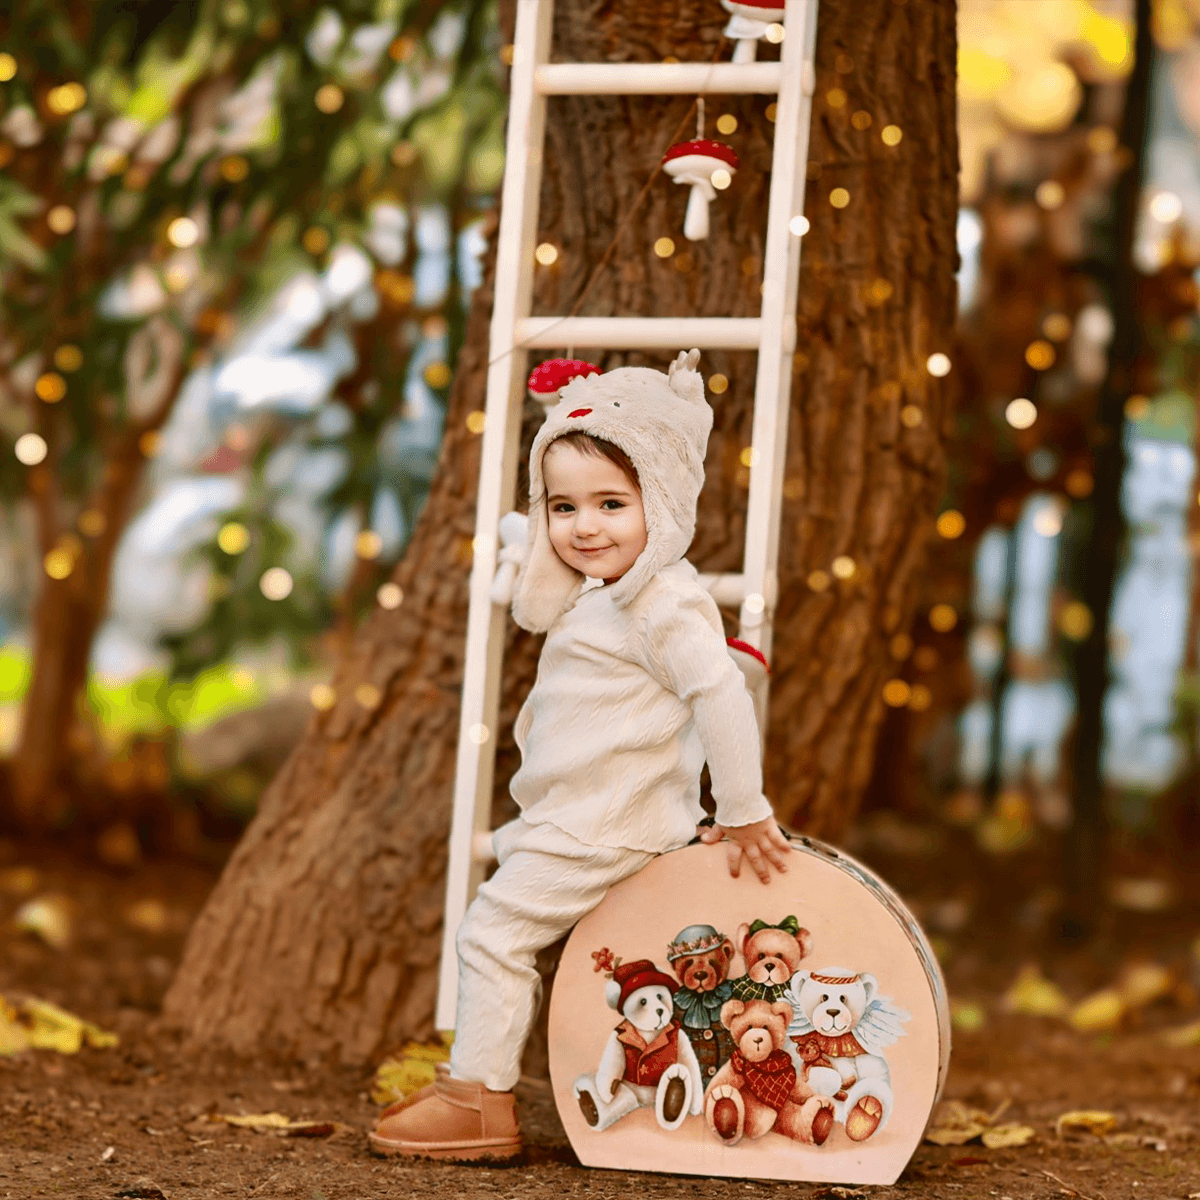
(645, 79)
(725, 589)
(640, 333)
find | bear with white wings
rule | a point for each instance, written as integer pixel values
(840, 1029)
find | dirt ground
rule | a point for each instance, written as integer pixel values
(136, 1120)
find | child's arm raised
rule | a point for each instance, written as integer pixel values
(683, 647)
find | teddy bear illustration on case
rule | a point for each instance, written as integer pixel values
(648, 1060)
(841, 1025)
(760, 1088)
(700, 958)
(772, 954)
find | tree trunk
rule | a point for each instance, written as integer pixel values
(322, 937)
(67, 616)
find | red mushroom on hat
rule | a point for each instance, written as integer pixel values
(695, 163)
(748, 23)
(547, 379)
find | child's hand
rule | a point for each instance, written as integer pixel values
(762, 843)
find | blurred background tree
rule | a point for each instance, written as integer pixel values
(190, 196)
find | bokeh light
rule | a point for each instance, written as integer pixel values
(1020, 413)
(390, 595)
(943, 618)
(368, 544)
(61, 219)
(276, 583)
(951, 523)
(50, 387)
(183, 232)
(938, 365)
(233, 537)
(30, 449)
(546, 254)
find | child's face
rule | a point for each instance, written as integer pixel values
(597, 523)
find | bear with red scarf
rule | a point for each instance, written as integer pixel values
(760, 1089)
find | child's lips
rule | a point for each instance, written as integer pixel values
(591, 549)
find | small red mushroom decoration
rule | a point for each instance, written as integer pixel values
(547, 379)
(694, 163)
(748, 23)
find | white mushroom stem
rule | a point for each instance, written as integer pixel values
(695, 220)
(695, 169)
(747, 24)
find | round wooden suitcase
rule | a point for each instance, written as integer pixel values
(707, 1025)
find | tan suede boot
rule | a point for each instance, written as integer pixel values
(450, 1119)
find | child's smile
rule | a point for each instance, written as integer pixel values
(596, 521)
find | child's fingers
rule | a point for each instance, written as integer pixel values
(711, 833)
(754, 854)
(733, 854)
(777, 856)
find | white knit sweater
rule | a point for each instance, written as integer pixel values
(628, 704)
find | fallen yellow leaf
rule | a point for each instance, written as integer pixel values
(52, 1028)
(271, 1120)
(410, 1069)
(1084, 1121)
(13, 1038)
(1002, 1136)
(955, 1123)
(48, 918)
(967, 1016)
(1101, 1012)
(150, 916)
(1144, 983)
(1182, 1035)
(1032, 995)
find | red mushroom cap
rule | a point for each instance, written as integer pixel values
(758, 3)
(703, 146)
(546, 378)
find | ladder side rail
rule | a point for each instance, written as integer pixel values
(641, 333)
(657, 79)
(780, 282)
(475, 761)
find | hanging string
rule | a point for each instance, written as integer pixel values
(699, 117)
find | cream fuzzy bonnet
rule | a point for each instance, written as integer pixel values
(662, 423)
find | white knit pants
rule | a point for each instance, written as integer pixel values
(545, 883)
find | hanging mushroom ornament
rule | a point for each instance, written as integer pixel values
(748, 23)
(695, 162)
(547, 379)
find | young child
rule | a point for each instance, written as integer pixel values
(634, 691)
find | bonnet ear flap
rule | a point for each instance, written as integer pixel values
(684, 379)
(546, 585)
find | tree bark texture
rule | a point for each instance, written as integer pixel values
(322, 937)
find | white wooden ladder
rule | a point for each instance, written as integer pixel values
(514, 331)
